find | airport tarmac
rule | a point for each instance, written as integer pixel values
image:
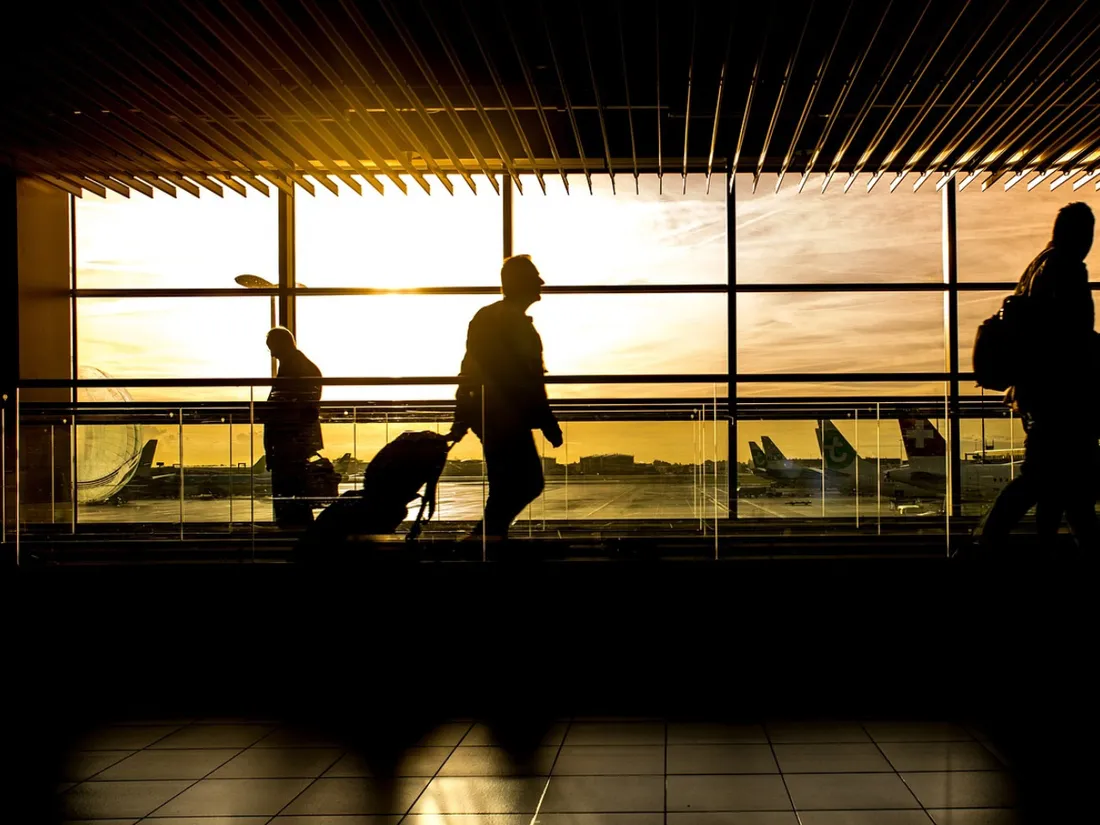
(591, 499)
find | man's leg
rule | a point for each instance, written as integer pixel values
(288, 483)
(1018, 496)
(515, 478)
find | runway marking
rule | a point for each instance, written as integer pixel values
(767, 510)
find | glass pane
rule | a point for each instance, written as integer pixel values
(395, 240)
(992, 448)
(1000, 232)
(174, 338)
(839, 332)
(185, 241)
(412, 335)
(808, 237)
(650, 237)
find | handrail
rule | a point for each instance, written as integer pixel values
(451, 380)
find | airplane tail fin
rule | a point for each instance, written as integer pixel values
(759, 460)
(145, 461)
(771, 452)
(922, 439)
(261, 465)
(840, 455)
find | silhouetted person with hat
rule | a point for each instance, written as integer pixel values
(502, 397)
(292, 429)
(1056, 399)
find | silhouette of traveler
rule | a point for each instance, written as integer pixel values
(292, 429)
(502, 397)
(1055, 400)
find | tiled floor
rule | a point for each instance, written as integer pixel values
(582, 772)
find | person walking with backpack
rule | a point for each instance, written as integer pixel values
(1053, 391)
(502, 397)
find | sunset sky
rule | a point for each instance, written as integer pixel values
(444, 240)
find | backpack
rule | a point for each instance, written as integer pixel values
(390, 483)
(1000, 354)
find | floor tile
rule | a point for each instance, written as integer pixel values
(123, 737)
(853, 757)
(483, 735)
(940, 756)
(164, 764)
(102, 800)
(913, 817)
(357, 796)
(700, 733)
(692, 759)
(963, 789)
(81, 765)
(464, 819)
(413, 762)
(734, 818)
(727, 793)
(366, 819)
(214, 736)
(234, 797)
(208, 820)
(278, 763)
(480, 795)
(64, 786)
(612, 733)
(975, 816)
(816, 732)
(917, 732)
(483, 761)
(849, 791)
(448, 735)
(611, 794)
(610, 760)
(600, 819)
(99, 822)
(298, 738)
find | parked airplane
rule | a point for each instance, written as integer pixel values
(846, 471)
(771, 463)
(159, 481)
(925, 472)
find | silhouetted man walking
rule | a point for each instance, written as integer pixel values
(502, 397)
(1056, 400)
(292, 429)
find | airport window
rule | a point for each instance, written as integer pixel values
(659, 235)
(1001, 232)
(182, 242)
(171, 337)
(399, 241)
(823, 332)
(837, 237)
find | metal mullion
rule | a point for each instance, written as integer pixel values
(508, 211)
(732, 500)
(287, 274)
(437, 89)
(951, 342)
(533, 91)
(349, 56)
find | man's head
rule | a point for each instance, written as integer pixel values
(520, 280)
(280, 341)
(1073, 230)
